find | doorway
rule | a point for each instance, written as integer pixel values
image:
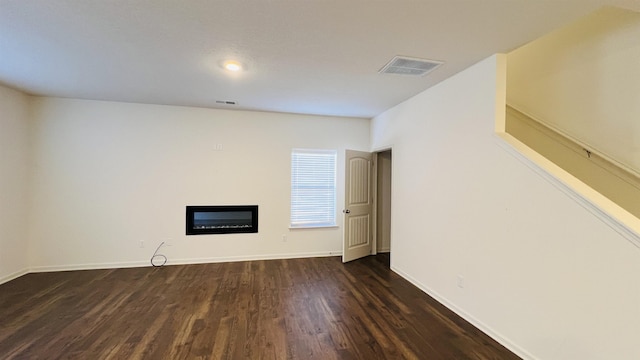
(383, 205)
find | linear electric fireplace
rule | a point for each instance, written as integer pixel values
(222, 219)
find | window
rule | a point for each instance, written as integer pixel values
(313, 188)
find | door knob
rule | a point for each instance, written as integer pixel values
(346, 211)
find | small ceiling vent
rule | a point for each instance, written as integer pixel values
(402, 65)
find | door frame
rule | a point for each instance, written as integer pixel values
(376, 215)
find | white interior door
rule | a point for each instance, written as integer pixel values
(358, 211)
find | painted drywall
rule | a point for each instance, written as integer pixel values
(486, 234)
(620, 187)
(14, 175)
(583, 80)
(109, 176)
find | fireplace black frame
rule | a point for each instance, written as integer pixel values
(249, 226)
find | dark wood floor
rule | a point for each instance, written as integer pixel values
(314, 308)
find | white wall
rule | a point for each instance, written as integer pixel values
(584, 80)
(14, 171)
(540, 272)
(109, 175)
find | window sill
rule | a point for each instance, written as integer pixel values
(313, 227)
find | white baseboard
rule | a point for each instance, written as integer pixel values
(132, 264)
(253, 258)
(12, 276)
(97, 266)
(525, 355)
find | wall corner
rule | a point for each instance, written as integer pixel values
(501, 92)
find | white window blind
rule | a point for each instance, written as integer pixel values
(313, 188)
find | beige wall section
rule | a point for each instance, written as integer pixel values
(14, 173)
(584, 80)
(110, 175)
(621, 187)
(383, 201)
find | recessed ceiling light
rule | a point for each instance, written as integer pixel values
(232, 65)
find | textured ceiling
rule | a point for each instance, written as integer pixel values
(313, 57)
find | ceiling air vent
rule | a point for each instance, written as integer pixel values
(401, 65)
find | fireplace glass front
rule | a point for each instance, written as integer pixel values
(222, 219)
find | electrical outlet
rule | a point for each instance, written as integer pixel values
(460, 281)
(141, 243)
(284, 238)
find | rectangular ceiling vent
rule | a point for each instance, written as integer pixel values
(402, 65)
(225, 102)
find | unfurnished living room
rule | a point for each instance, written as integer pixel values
(320, 179)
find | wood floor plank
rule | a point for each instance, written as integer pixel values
(315, 308)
